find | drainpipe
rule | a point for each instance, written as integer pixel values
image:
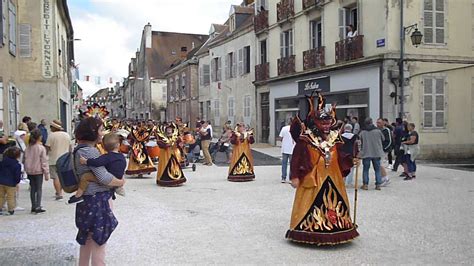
(400, 63)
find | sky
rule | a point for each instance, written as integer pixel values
(110, 30)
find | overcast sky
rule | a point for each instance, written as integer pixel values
(110, 30)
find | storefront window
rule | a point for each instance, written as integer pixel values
(285, 109)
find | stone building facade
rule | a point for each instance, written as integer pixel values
(304, 45)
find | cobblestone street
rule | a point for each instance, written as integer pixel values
(210, 220)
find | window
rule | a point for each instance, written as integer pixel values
(246, 59)
(1, 100)
(176, 87)
(216, 108)
(12, 28)
(286, 43)
(348, 16)
(3, 25)
(13, 104)
(206, 74)
(183, 85)
(216, 65)
(163, 93)
(230, 107)
(25, 40)
(262, 4)
(315, 34)
(230, 66)
(434, 105)
(247, 107)
(263, 52)
(64, 55)
(171, 92)
(433, 25)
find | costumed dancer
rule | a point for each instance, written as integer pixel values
(180, 153)
(321, 208)
(241, 164)
(140, 162)
(169, 169)
(100, 112)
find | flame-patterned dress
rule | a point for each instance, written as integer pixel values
(321, 207)
(140, 162)
(241, 163)
(169, 169)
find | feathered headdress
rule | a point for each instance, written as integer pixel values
(96, 111)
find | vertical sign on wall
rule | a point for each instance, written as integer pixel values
(46, 38)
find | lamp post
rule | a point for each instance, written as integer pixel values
(416, 38)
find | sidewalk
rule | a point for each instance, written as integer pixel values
(273, 151)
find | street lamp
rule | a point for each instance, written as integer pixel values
(416, 38)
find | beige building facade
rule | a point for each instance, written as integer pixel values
(227, 69)
(306, 45)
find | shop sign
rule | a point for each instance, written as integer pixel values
(47, 38)
(321, 84)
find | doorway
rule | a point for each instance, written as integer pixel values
(265, 122)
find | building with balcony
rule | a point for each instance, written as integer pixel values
(36, 51)
(145, 91)
(307, 46)
(227, 70)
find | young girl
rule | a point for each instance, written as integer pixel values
(10, 174)
(36, 166)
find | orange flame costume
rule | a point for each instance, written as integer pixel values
(241, 163)
(169, 169)
(140, 162)
(320, 213)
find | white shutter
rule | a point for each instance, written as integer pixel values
(25, 40)
(201, 76)
(245, 60)
(342, 23)
(12, 28)
(3, 23)
(241, 62)
(434, 104)
(234, 64)
(433, 21)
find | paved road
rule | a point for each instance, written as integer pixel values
(210, 220)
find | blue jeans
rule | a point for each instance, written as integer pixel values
(284, 165)
(376, 164)
(411, 164)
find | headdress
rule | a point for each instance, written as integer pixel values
(96, 111)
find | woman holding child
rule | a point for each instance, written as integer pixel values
(93, 230)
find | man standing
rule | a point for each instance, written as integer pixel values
(398, 133)
(372, 151)
(59, 142)
(386, 146)
(287, 146)
(206, 136)
(44, 131)
(355, 125)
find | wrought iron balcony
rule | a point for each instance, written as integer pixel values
(285, 10)
(350, 49)
(262, 72)
(313, 58)
(286, 65)
(260, 22)
(307, 4)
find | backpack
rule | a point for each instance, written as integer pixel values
(67, 172)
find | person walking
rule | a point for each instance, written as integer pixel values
(372, 151)
(411, 151)
(287, 146)
(36, 167)
(206, 136)
(59, 142)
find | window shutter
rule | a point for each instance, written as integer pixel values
(206, 70)
(213, 70)
(219, 68)
(201, 76)
(342, 23)
(290, 42)
(12, 28)
(282, 44)
(227, 63)
(245, 59)
(25, 40)
(2, 26)
(241, 62)
(234, 64)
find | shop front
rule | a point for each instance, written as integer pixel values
(355, 91)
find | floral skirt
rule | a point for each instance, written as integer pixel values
(95, 217)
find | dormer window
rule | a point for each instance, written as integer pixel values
(232, 23)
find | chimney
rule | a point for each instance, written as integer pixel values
(147, 33)
(184, 52)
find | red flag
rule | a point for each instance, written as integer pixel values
(87, 78)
